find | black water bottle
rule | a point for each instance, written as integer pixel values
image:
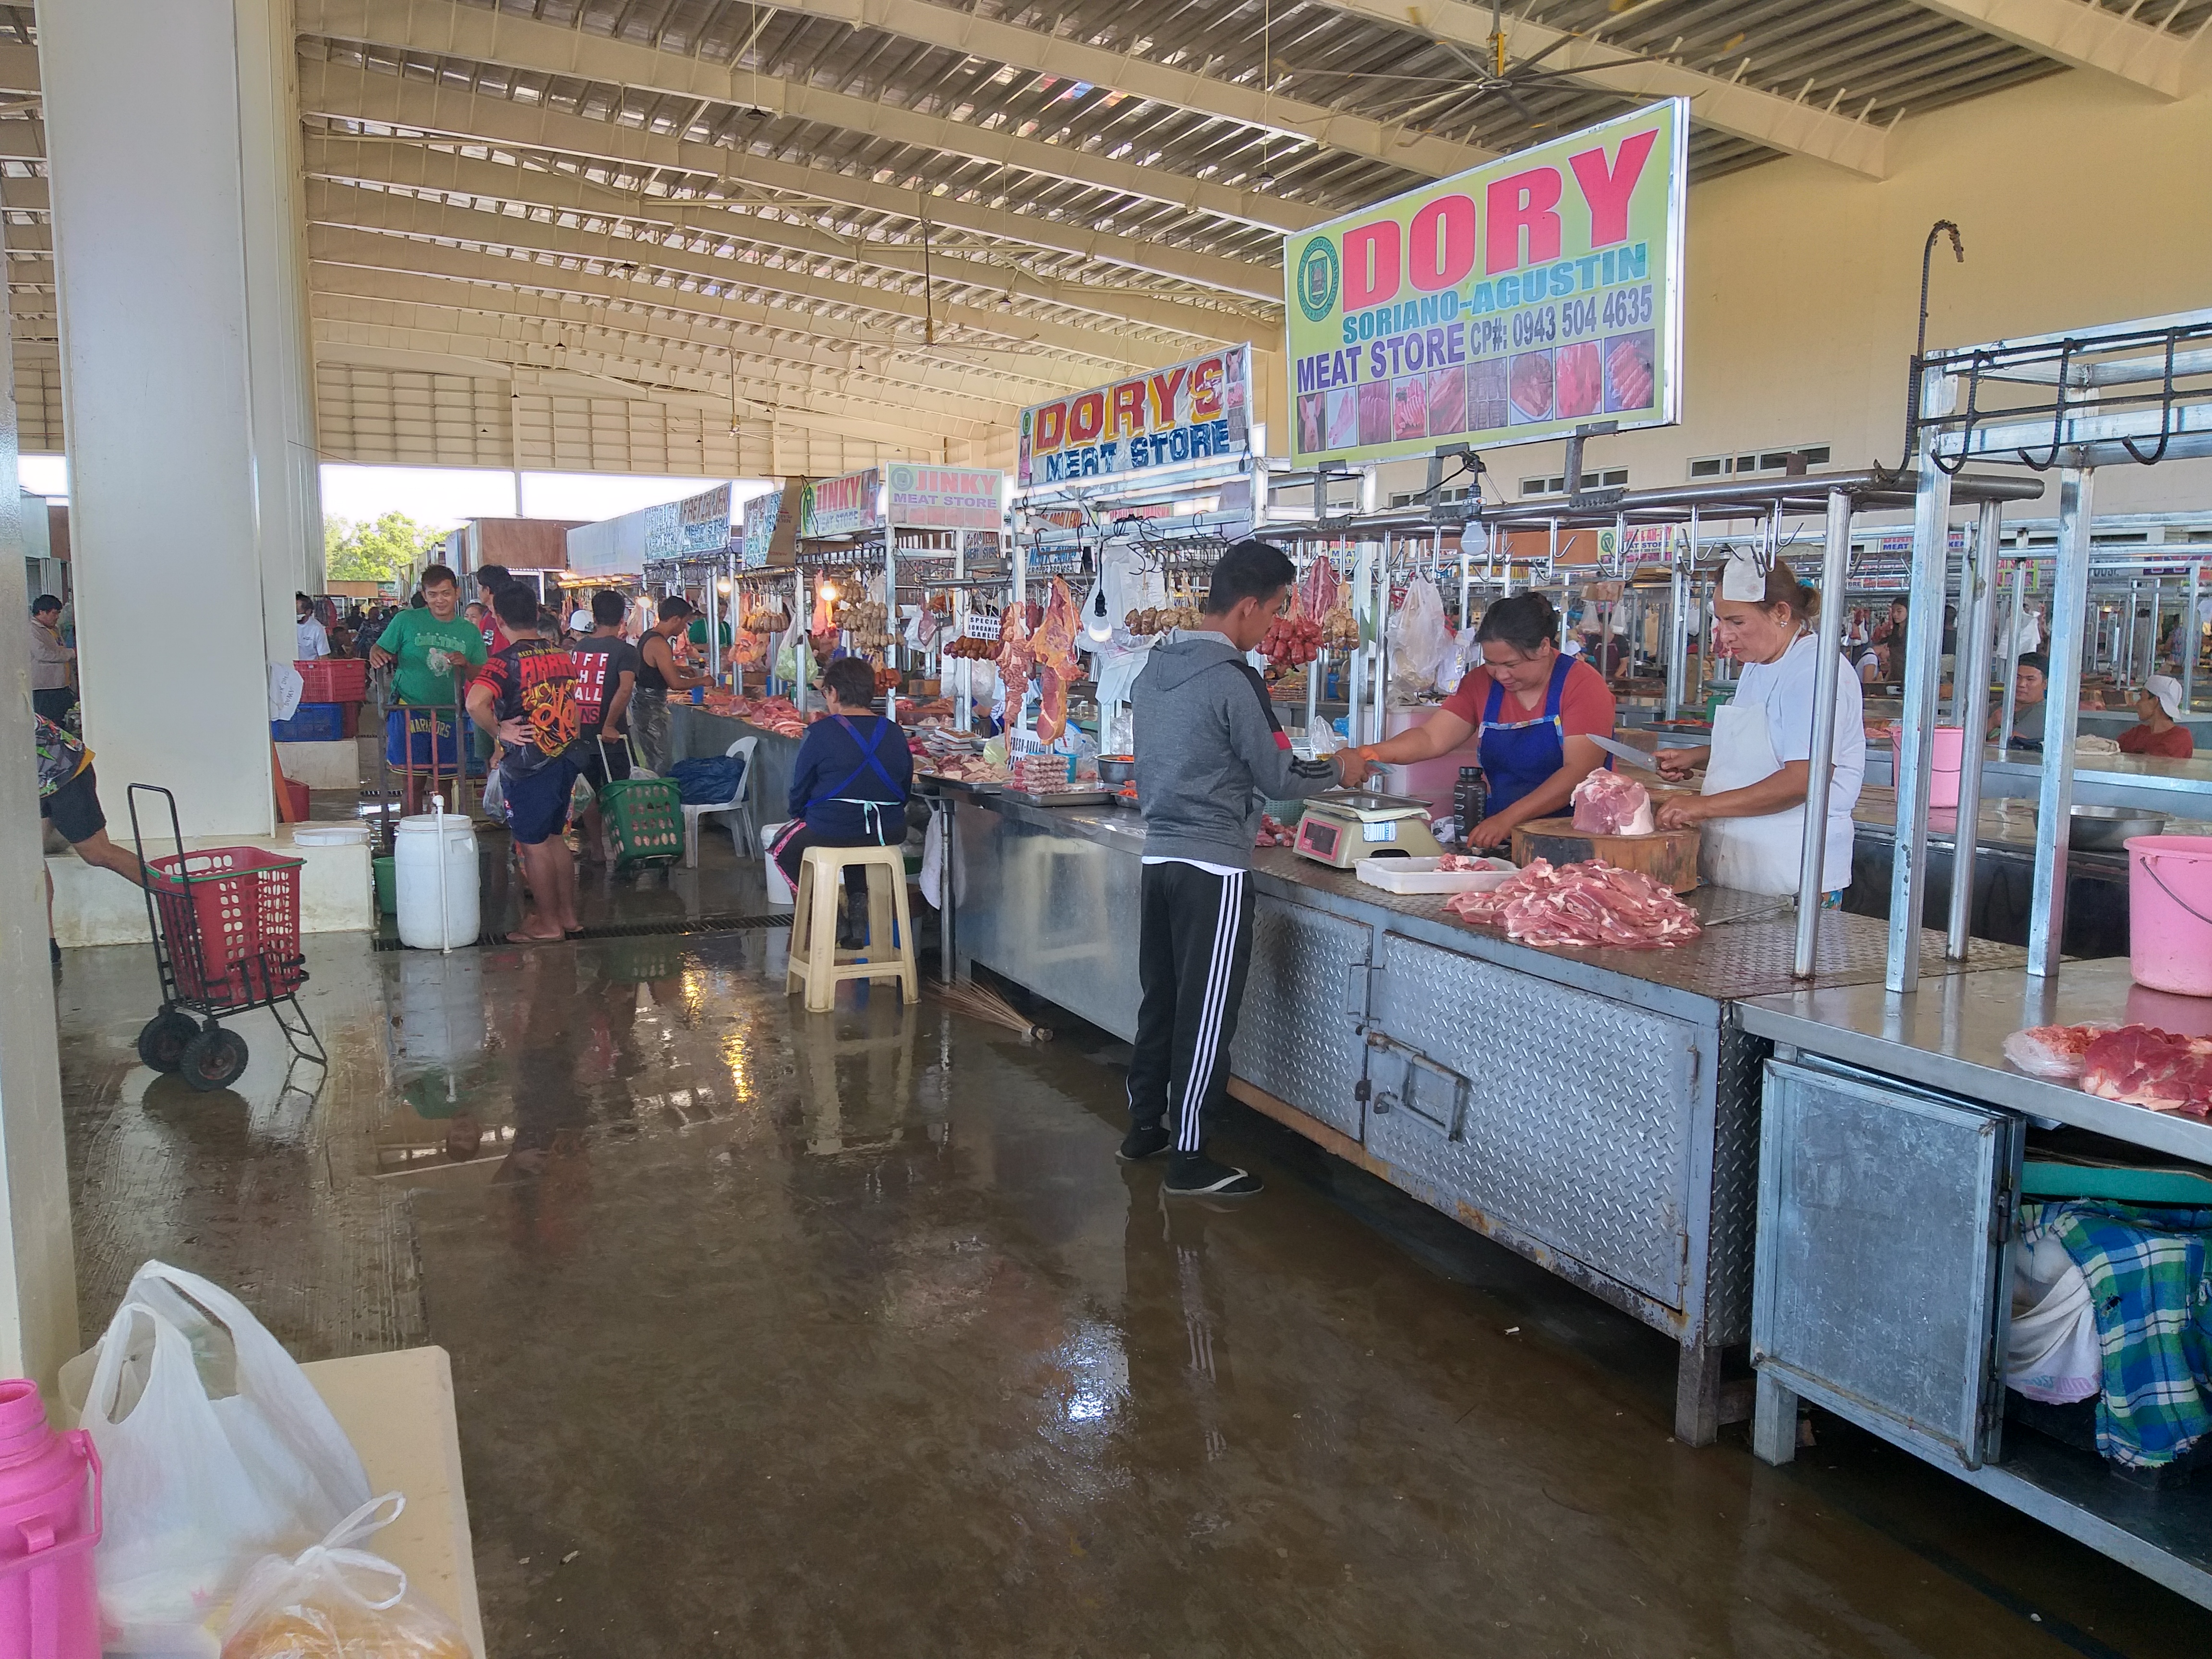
(1470, 799)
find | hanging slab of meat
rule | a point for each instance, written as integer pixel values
(1055, 645)
(2145, 1067)
(1016, 661)
(1589, 905)
(2052, 1051)
(1608, 803)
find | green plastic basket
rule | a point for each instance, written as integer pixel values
(645, 821)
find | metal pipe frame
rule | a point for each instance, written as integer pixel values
(1969, 698)
(2192, 639)
(2054, 801)
(1819, 773)
(2011, 657)
(1931, 557)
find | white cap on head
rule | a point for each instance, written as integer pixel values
(1743, 579)
(580, 622)
(2167, 690)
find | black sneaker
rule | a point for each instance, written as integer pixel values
(1143, 1140)
(1193, 1175)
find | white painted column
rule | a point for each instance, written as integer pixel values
(38, 1264)
(185, 381)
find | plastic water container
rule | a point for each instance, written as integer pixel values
(2170, 913)
(1947, 754)
(49, 1521)
(435, 869)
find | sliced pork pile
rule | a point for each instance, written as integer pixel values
(1608, 803)
(1590, 904)
(2145, 1067)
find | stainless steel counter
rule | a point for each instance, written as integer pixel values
(1595, 1111)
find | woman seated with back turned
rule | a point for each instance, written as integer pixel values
(850, 779)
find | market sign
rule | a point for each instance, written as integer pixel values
(770, 525)
(843, 506)
(1196, 411)
(946, 497)
(664, 530)
(1508, 305)
(703, 520)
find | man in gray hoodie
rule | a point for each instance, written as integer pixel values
(1210, 754)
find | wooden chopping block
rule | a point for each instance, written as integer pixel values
(1669, 857)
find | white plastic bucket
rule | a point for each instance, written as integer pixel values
(425, 888)
(2170, 913)
(779, 893)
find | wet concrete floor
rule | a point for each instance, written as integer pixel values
(845, 1334)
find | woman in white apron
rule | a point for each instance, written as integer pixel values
(1759, 768)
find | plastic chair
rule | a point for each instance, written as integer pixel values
(815, 962)
(741, 804)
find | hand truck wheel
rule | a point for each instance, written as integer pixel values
(214, 1059)
(161, 1043)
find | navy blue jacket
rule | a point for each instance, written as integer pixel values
(824, 770)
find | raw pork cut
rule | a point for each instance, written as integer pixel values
(1590, 904)
(2052, 1051)
(2145, 1067)
(1054, 649)
(1608, 803)
(1017, 661)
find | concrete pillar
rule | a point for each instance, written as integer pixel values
(38, 1266)
(173, 138)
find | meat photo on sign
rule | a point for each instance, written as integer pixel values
(1486, 394)
(1448, 401)
(1375, 412)
(1343, 422)
(1531, 384)
(1628, 380)
(1409, 406)
(1581, 378)
(1310, 411)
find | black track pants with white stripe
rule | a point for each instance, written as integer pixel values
(1194, 943)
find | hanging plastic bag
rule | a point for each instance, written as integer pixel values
(1418, 639)
(932, 862)
(218, 1449)
(1465, 652)
(335, 1601)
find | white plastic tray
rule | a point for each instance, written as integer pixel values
(1422, 876)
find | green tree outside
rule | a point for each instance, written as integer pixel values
(389, 549)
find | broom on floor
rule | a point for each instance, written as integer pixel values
(978, 1002)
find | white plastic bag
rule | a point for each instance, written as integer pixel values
(2051, 1349)
(932, 862)
(216, 1448)
(334, 1599)
(1418, 641)
(285, 689)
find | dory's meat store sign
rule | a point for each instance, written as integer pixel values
(1508, 305)
(1188, 411)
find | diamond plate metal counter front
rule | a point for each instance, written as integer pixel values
(1578, 1126)
(1297, 1037)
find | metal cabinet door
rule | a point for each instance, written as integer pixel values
(1883, 1214)
(1297, 1037)
(1570, 1117)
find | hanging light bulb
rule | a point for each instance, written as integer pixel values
(722, 587)
(1097, 622)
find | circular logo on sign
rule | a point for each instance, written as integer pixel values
(902, 478)
(1318, 275)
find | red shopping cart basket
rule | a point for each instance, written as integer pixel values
(231, 925)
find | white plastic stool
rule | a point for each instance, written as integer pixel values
(815, 962)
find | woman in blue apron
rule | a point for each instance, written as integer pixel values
(851, 778)
(1531, 711)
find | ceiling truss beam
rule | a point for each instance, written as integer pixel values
(2081, 36)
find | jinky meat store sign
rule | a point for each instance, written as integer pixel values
(1196, 410)
(1510, 304)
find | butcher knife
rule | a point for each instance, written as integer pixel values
(1635, 757)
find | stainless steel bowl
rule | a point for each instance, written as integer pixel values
(1116, 770)
(2107, 829)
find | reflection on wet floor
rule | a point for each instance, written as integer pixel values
(845, 1334)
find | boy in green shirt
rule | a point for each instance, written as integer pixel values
(427, 645)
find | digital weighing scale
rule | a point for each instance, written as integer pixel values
(1339, 831)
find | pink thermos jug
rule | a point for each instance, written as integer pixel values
(49, 1522)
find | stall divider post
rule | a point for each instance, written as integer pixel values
(2157, 598)
(803, 619)
(2054, 799)
(1820, 779)
(2192, 639)
(1931, 556)
(1970, 702)
(1318, 667)
(2012, 644)
(1355, 725)
(713, 630)
(890, 620)
(1382, 686)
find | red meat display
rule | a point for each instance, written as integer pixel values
(2145, 1067)
(1583, 905)
(1054, 649)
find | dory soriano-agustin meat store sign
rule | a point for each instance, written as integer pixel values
(1510, 304)
(1196, 411)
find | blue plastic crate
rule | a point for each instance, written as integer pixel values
(314, 722)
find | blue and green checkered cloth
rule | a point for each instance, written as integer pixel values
(2150, 1283)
